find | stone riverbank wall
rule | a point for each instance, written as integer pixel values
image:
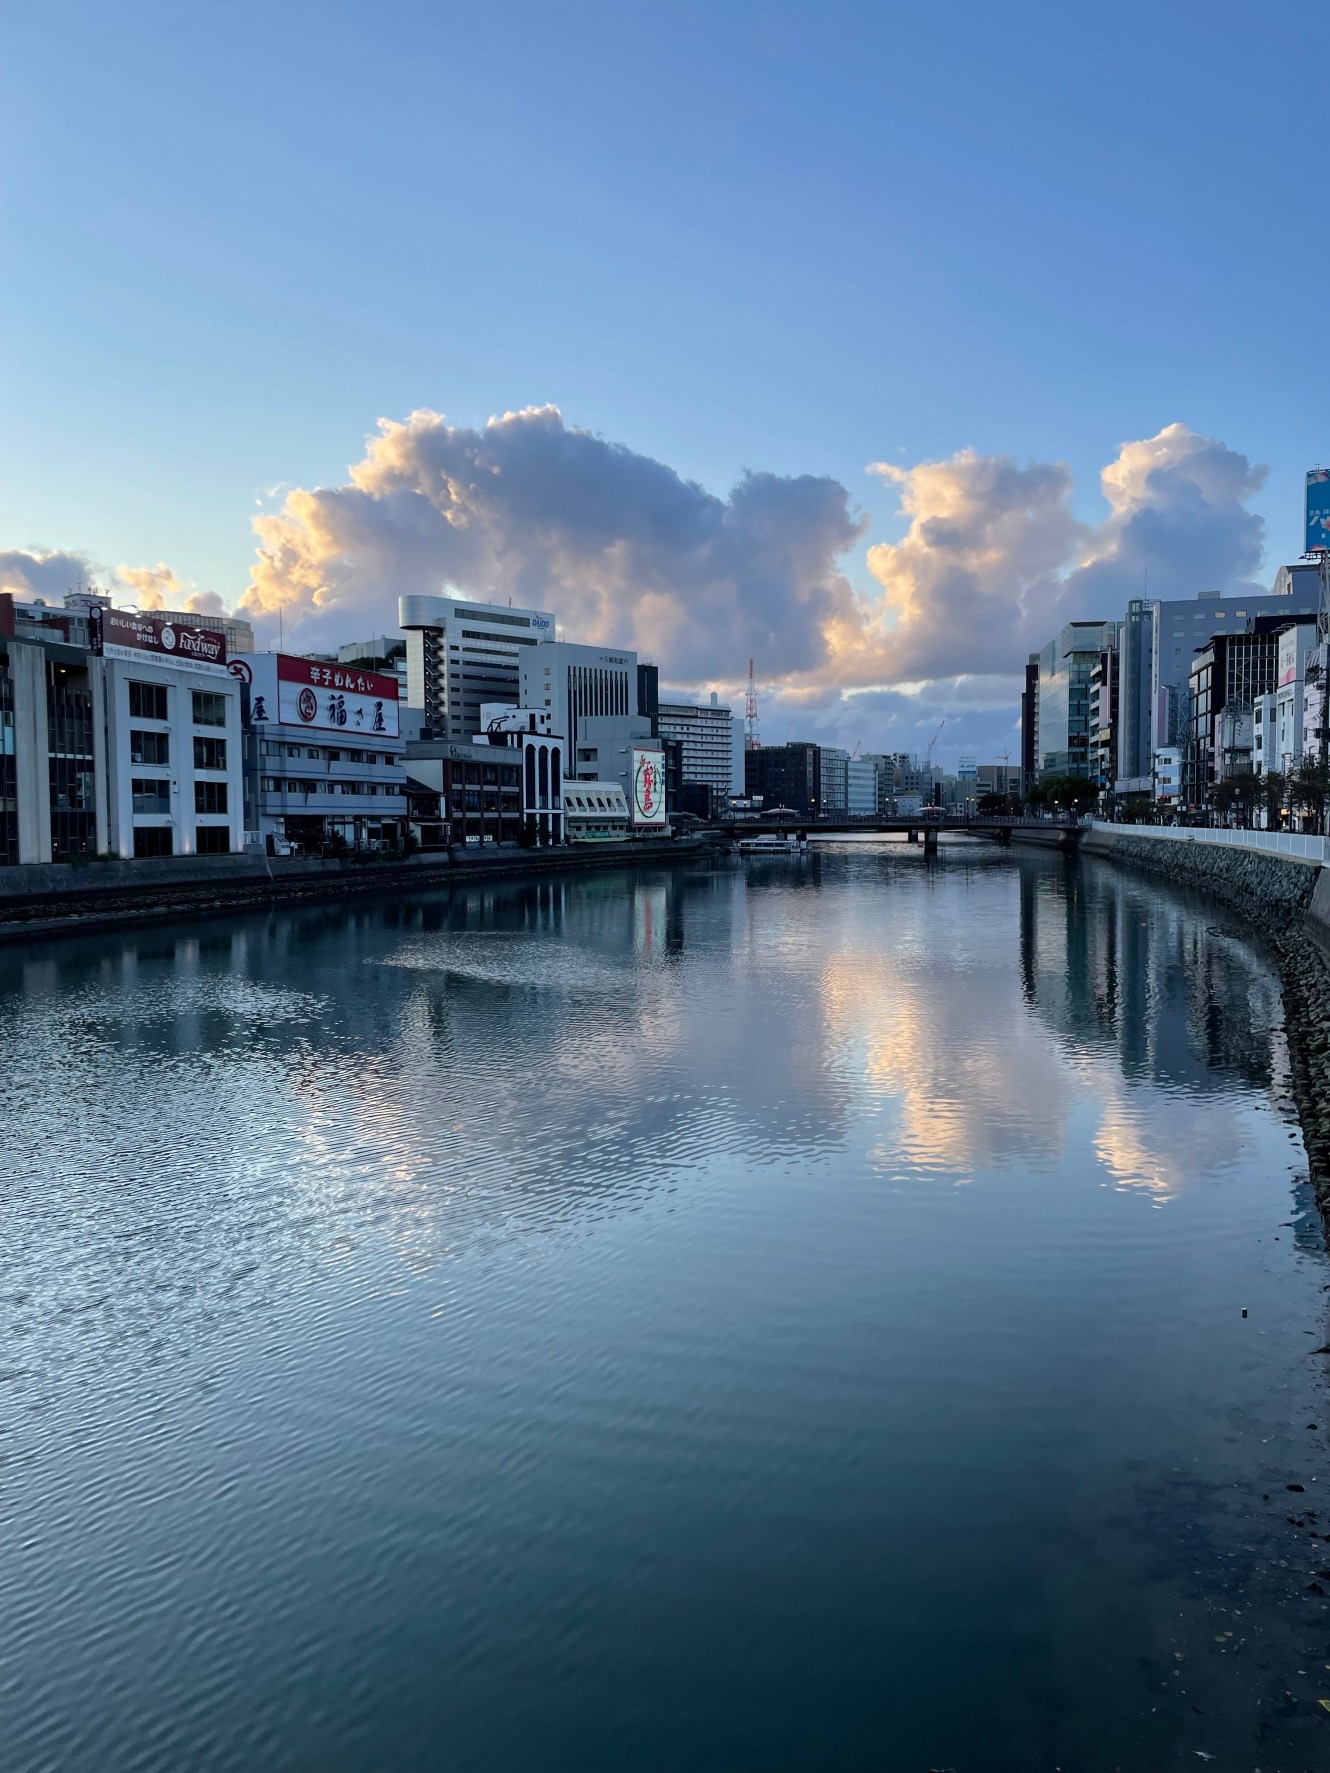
(1287, 898)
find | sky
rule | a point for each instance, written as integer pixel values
(869, 341)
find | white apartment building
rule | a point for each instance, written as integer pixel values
(460, 655)
(706, 732)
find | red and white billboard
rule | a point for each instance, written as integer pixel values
(649, 788)
(341, 699)
(129, 634)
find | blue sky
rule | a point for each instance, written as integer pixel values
(795, 239)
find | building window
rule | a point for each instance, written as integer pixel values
(150, 795)
(147, 701)
(149, 748)
(154, 840)
(209, 708)
(213, 840)
(210, 797)
(209, 754)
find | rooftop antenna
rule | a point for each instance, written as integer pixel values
(752, 740)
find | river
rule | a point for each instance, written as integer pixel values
(838, 1313)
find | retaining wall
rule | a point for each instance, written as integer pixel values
(1272, 890)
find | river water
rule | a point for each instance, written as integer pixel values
(785, 1314)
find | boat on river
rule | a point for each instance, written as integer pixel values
(772, 846)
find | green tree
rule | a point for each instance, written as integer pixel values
(1065, 794)
(1238, 795)
(1309, 788)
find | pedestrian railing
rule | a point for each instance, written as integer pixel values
(1270, 843)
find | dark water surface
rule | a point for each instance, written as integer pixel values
(784, 1315)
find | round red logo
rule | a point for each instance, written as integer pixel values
(307, 704)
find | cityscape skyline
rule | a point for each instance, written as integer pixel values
(790, 373)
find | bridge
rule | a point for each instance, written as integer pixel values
(1062, 832)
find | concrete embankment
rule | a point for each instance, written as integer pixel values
(53, 898)
(1287, 899)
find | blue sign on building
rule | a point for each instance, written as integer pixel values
(1318, 511)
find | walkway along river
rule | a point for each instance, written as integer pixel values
(839, 1312)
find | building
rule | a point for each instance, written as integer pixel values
(1002, 779)
(1104, 701)
(1030, 723)
(835, 782)
(706, 734)
(461, 655)
(324, 754)
(596, 812)
(506, 786)
(594, 696)
(1158, 641)
(119, 735)
(1065, 667)
(1315, 682)
(862, 797)
(1228, 676)
(1168, 774)
(786, 776)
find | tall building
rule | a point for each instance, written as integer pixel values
(460, 655)
(1104, 710)
(786, 776)
(706, 734)
(1065, 667)
(835, 781)
(1158, 643)
(593, 696)
(862, 797)
(1030, 722)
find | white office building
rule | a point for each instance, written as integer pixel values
(460, 655)
(590, 694)
(863, 788)
(325, 754)
(706, 733)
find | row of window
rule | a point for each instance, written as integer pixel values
(271, 749)
(209, 754)
(289, 784)
(150, 794)
(148, 701)
(159, 840)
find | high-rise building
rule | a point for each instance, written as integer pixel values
(1065, 667)
(1158, 643)
(593, 695)
(862, 797)
(706, 734)
(1229, 675)
(460, 655)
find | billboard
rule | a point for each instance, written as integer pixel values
(323, 698)
(129, 634)
(1318, 511)
(648, 788)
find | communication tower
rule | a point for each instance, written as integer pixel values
(752, 741)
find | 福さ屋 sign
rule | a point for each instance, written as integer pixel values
(327, 698)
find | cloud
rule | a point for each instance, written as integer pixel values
(618, 545)
(995, 561)
(43, 573)
(50, 574)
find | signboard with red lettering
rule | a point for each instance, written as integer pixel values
(648, 788)
(128, 634)
(325, 698)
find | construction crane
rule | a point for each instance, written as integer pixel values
(933, 741)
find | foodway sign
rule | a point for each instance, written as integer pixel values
(129, 634)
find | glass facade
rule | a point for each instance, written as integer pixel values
(8, 770)
(1066, 666)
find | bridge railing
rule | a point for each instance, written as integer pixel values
(1270, 843)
